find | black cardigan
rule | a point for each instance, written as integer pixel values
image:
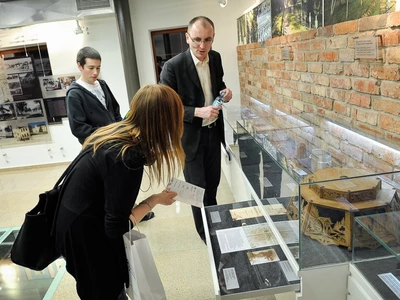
(86, 113)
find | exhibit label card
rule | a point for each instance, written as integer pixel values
(215, 217)
(392, 282)
(187, 193)
(288, 271)
(231, 280)
(365, 48)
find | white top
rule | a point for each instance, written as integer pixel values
(95, 89)
(203, 70)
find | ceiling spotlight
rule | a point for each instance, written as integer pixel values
(78, 29)
(222, 3)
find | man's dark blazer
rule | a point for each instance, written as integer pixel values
(180, 74)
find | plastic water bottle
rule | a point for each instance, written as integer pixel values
(219, 101)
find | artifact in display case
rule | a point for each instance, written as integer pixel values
(332, 197)
(380, 264)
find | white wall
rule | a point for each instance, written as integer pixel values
(63, 44)
(152, 15)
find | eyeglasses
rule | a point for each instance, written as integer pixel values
(198, 40)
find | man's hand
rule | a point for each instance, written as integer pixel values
(228, 95)
(207, 112)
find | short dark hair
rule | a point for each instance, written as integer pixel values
(87, 52)
(204, 20)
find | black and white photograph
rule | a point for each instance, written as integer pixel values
(18, 65)
(29, 109)
(12, 77)
(6, 131)
(14, 85)
(7, 112)
(37, 128)
(21, 70)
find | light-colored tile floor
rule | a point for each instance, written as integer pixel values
(181, 257)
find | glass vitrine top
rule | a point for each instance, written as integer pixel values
(384, 228)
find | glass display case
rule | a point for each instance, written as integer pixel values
(308, 179)
(376, 252)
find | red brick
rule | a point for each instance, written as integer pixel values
(390, 89)
(326, 31)
(392, 138)
(315, 67)
(367, 116)
(386, 72)
(389, 37)
(333, 68)
(337, 42)
(366, 86)
(358, 99)
(346, 55)
(328, 56)
(318, 90)
(357, 69)
(393, 19)
(318, 45)
(301, 67)
(386, 105)
(372, 23)
(389, 123)
(345, 27)
(320, 79)
(341, 108)
(369, 129)
(393, 55)
(323, 102)
(311, 56)
(340, 82)
(335, 94)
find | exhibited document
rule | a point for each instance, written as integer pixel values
(255, 236)
(255, 211)
(232, 240)
(187, 193)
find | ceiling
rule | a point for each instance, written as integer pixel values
(17, 13)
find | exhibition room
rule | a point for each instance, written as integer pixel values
(308, 199)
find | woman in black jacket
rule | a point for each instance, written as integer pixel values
(98, 196)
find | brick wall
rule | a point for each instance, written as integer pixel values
(323, 78)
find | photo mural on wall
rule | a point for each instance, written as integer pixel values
(21, 78)
(337, 11)
(291, 16)
(284, 17)
(22, 113)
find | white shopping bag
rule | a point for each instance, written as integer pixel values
(144, 281)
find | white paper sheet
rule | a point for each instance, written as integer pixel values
(231, 280)
(187, 193)
(232, 240)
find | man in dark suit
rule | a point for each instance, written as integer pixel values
(197, 76)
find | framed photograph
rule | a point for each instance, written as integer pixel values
(56, 109)
(38, 128)
(29, 109)
(6, 131)
(18, 65)
(7, 112)
(56, 86)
